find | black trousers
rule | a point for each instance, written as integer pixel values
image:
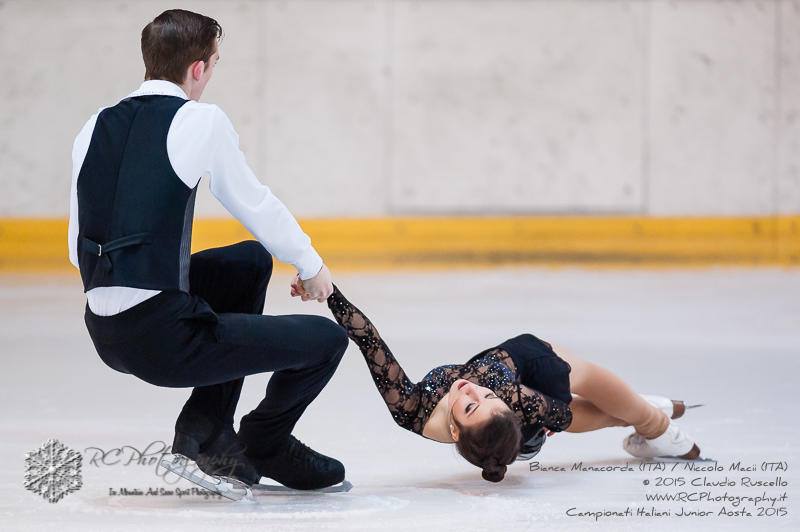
(215, 335)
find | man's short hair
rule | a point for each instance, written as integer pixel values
(174, 40)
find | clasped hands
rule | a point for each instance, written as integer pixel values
(318, 287)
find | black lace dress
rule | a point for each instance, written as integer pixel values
(524, 359)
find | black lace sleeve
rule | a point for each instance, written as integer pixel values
(551, 413)
(401, 396)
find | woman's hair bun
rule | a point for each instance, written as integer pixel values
(492, 445)
(494, 473)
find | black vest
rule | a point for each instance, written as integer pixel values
(134, 212)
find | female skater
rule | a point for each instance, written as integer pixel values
(502, 403)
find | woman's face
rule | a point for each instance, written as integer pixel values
(472, 405)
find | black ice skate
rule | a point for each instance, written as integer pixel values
(298, 467)
(220, 466)
(227, 487)
(225, 456)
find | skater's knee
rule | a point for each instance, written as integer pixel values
(329, 338)
(336, 340)
(259, 257)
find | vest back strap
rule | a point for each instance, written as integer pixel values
(102, 249)
(117, 243)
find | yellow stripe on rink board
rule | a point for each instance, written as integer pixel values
(425, 242)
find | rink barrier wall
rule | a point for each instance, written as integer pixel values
(28, 244)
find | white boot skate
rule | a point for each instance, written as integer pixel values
(673, 443)
(673, 408)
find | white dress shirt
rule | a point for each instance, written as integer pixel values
(202, 141)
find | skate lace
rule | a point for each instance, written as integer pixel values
(302, 453)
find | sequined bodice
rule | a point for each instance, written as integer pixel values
(411, 405)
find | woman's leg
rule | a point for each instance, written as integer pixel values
(614, 397)
(587, 417)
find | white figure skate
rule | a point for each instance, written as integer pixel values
(674, 443)
(673, 408)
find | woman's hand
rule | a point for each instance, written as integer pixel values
(297, 289)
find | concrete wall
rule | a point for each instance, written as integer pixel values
(379, 107)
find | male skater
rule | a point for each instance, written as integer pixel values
(180, 320)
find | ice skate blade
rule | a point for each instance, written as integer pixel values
(230, 488)
(277, 489)
(693, 454)
(679, 408)
(679, 459)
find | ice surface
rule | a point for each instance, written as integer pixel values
(726, 338)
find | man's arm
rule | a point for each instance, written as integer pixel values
(235, 185)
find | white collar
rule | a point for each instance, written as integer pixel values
(159, 86)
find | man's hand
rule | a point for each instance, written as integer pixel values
(318, 287)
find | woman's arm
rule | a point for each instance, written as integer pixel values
(400, 394)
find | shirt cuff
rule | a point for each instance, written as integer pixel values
(309, 264)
